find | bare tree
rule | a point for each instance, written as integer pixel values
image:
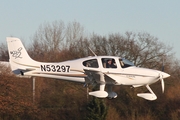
(51, 39)
(4, 53)
(99, 44)
(150, 51)
(50, 36)
(48, 40)
(142, 48)
(74, 32)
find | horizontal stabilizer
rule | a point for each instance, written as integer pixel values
(147, 96)
(99, 94)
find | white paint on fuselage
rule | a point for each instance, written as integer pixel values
(123, 76)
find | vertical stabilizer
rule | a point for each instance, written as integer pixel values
(19, 58)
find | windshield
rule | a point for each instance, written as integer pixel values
(125, 63)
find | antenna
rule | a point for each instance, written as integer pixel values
(92, 51)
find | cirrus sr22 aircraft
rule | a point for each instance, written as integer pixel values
(103, 70)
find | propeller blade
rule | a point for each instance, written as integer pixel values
(162, 69)
(162, 83)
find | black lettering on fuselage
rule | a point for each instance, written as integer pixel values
(55, 68)
(43, 68)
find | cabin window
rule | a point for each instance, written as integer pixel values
(109, 63)
(125, 63)
(91, 63)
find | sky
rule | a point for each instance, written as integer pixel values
(160, 18)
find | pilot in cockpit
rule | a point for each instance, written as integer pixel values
(110, 63)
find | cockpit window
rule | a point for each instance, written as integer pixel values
(91, 63)
(108, 63)
(125, 63)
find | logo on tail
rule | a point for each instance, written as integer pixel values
(17, 53)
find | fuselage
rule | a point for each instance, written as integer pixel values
(122, 71)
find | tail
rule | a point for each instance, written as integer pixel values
(19, 58)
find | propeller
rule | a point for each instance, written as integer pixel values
(161, 76)
(162, 81)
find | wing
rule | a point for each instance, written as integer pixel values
(98, 77)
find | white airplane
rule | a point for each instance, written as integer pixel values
(103, 70)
